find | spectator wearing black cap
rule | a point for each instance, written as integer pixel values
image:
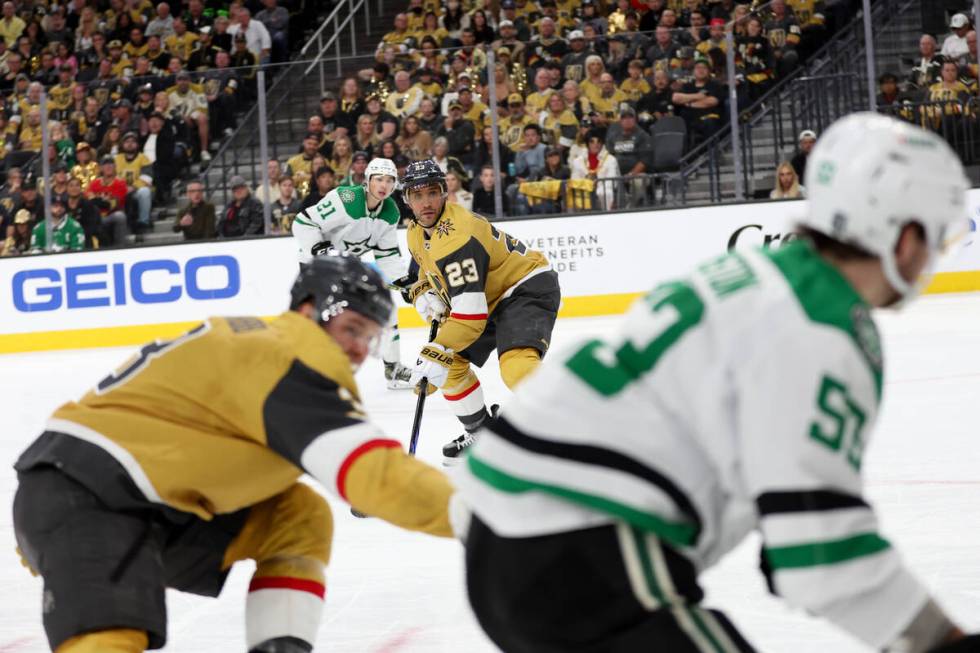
(195, 218)
(385, 124)
(324, 181)
(82, 210)
(592, 16)
(143, 100)
(67, 234)
(244, 214)
(136, 169)
(700, 102)
(355, 176)
(124, 116)
(458, 132)
(30, 199)
(59, 180)
(108, 193)
(633, 149)
(890, 97)
(246, 62)
(334, 122)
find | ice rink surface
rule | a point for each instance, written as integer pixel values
(389, 590)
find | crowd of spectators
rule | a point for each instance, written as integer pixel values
(137, 93)
(939, 86)
(580, 87)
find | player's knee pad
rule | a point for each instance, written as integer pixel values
(288, 534)
(462, 390)
(123, 640)
(515, 364)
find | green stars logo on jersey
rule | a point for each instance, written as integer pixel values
(346, 195)
(866, 335)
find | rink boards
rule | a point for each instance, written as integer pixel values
(604, 261)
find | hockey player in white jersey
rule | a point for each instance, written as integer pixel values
(358, 220)
(739, 398)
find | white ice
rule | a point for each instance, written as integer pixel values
(389, 590)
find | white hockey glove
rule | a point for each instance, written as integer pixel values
(428, 303)
(433, 364)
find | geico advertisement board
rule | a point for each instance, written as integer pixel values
(145, 286)
(595, 255)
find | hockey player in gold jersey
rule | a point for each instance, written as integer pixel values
(491, 290)
(187, 459)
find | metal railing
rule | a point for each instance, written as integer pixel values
(956, 121)
(346, 8)
(768, 127)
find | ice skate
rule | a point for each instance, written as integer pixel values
(398, 376)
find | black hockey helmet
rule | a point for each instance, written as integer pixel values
(342, 282)
(423, 173)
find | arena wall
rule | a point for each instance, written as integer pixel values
(130, 296)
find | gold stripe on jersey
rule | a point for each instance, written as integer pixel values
(475, 264)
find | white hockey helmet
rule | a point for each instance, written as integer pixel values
(869, 175)
(381, 167)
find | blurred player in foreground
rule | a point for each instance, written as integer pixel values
(186, 460)
(491, 290)
(358, 220)
(739, 398)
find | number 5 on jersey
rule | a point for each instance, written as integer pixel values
(841, 421)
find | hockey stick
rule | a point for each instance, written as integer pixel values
(423, 393)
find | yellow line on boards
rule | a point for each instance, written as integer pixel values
(584, 306)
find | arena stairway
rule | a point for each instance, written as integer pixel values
(296, 97)
(776, 126)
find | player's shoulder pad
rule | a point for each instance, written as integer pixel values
(352, 197)
(389, 211)
(311, 345)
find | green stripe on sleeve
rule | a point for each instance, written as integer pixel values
(304, 222)
(679, 534)
(647, 566)
(825, 553)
